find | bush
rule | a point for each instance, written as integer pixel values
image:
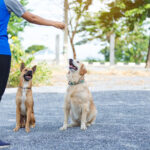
(92, 60)
(42, 75)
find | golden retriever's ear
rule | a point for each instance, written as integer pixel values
(83, 70)
(22, 66)
(34, 68)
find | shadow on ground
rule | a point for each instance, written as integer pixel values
(123, 123)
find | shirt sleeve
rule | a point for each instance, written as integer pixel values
(15, 7)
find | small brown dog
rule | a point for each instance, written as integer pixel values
(78, 101)
(24, 100)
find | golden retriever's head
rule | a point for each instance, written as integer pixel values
(27, 73)
(77, 70)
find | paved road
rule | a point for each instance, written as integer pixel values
(123, 122)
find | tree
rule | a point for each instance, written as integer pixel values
(135, 13)
(131, 47)
(77, 8)
(103, 24)
(35, 48)
(65, 44)
(148, 55)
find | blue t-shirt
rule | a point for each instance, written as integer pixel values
(6, 7)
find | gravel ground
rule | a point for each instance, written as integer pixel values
(123, 121)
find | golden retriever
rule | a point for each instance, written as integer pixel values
(78, 101)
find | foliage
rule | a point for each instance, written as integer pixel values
(136, 12)
(125, 14)
(35, 48)
(101, 24)
(131, 47)
(16, 24)
(43, 75)
(91, 60)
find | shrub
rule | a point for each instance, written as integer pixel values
(43, 75)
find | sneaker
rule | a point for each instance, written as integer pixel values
(4, 145)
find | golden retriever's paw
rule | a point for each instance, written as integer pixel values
(16, 129)
(89, 124)
(83, 127)
(64, 127)
(27, 130)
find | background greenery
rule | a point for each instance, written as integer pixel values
(124, 18)
(43, 73)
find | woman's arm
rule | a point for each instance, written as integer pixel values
(41, 21)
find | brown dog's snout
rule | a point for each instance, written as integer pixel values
(30, 72)
(28, 76)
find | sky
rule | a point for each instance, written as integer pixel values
(53, 10)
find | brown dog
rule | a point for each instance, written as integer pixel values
(24, 100)
(78, 101)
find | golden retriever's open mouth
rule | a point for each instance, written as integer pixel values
(72, 66)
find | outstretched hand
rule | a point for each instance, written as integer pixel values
(59, 25)
(41, 21)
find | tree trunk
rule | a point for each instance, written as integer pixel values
(148, 56)
(112, 49)
(73, 49)
(65, 45)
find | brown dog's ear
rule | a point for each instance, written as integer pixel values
(34, 68)
(83, 70)
(22, 66)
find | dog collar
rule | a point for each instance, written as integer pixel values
(25, 88)
(75, 83)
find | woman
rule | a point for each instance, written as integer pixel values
(6, 7)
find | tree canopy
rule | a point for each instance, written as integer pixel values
(124, 18)
(35, 48)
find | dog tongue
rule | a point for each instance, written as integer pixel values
(71, 66)
(29, 77)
